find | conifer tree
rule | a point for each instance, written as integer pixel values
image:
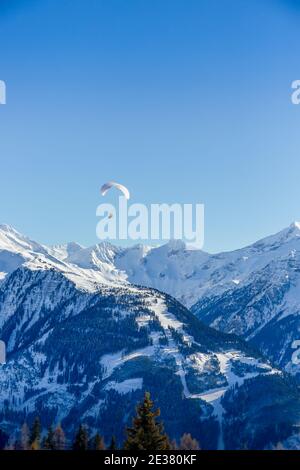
(173, 445)
(59, 438)
(3, 439)
(146, 433)
(17, 445)
(49, 442)
(35, 435)
(81, 441)
(113, 444)
(98, 442)
(10, 446)
(188, 443)
(24, 438)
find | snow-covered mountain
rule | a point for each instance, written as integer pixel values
(84, 340)
(253, 292)
(79, 356)
(189, 275)
(186, 274)
(241, 292)
(17, 250)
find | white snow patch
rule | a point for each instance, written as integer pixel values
(166, 319)
(126, 386)
(111, 361)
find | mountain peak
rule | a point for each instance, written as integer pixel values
(291, 232)
(175, 245)
(8, 229)
(12, 239)
(74, 247)
(295, 225)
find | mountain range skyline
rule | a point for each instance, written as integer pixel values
(245, 292)
(130, 243)
(88, 330)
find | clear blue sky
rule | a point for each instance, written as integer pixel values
(180, 100)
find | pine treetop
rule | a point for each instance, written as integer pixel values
(59, 438)
(49, 442)
(81, 441)
(113, 444)
(35, 435)
(146, 433)
(98, 442)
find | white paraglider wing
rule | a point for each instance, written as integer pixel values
(112, 184)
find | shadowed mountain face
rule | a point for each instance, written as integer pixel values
(264, 310)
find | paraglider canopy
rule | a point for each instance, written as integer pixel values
(112, 184)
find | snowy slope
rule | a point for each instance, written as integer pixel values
(13, 241)
(74, 356)
(252, 292)
(17, 250)
(186, 274)
(84, 342)
(264, 307)
(189, 275)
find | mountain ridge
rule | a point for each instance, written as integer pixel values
(44, 285)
